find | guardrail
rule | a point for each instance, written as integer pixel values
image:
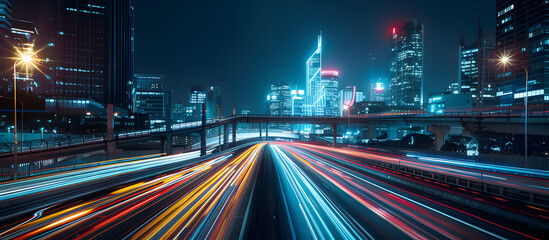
(527, 185)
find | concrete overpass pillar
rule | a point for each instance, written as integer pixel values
(226, 136)
(267, 131)
(260, 131)
(392, 133)
(203, 131)
(334, 127)
(110, 122)
(234, 132)
(440, 133)
(163, 144)
(371, 130)
(169, 144)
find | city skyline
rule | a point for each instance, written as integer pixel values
(350, 34)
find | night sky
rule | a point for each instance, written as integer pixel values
(244, 47)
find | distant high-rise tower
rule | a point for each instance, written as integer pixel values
(330, 85)
(90, 47)
(474, 72)
(279, 103)
(521, 33)
(298, 100)
(213, 100)
(5, 15)
(407, 66)
(152, 99)
(315, 99)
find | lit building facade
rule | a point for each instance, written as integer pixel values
(178, 113)
(151, 99)
(5, 15)
(279, 103)
(330, 84)
(298, 100)
(213, 100)
(315, 100)
(521, 33)
(347, 99)
(197, 96)
(474, 75)
(407, 66)
(378, 91)
(90, 45)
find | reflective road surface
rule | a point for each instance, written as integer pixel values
(276, 190)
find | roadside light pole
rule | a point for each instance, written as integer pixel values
(22, 110)
(505, 60)
(26, 58)
(15, 119)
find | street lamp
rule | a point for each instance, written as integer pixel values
(26, 59)
(506, 60)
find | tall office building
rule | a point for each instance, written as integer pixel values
(213, 102)
(521, 33)
(279, 103)
(90, 45)
(152, 99)
(475, 71)
(5, 16)
(378, 91)
(120, 19)
(347, 99)
(279, 100)
(407, 65)
(178, 113)
(315, 99)
(197, 96)
(298, 100)
(330, 84)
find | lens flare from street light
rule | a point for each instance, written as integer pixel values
(26, 58)
(505, 59)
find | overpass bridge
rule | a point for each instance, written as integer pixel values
(468, 123)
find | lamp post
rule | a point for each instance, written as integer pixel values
(26, 58)
(506, 60)
(22, 109)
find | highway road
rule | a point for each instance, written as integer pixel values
(271, 190)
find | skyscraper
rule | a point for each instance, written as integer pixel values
(213, 100)
(298, 98)
(5, 15)
(474, 72)
(279, 102)
(330, 84)
(521, 33)
(348, 97)
(152, 99)
(407, 65)
(197, 96)
(90, 45)
(315, 99)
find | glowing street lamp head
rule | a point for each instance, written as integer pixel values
(504, 59)
(26, 58)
